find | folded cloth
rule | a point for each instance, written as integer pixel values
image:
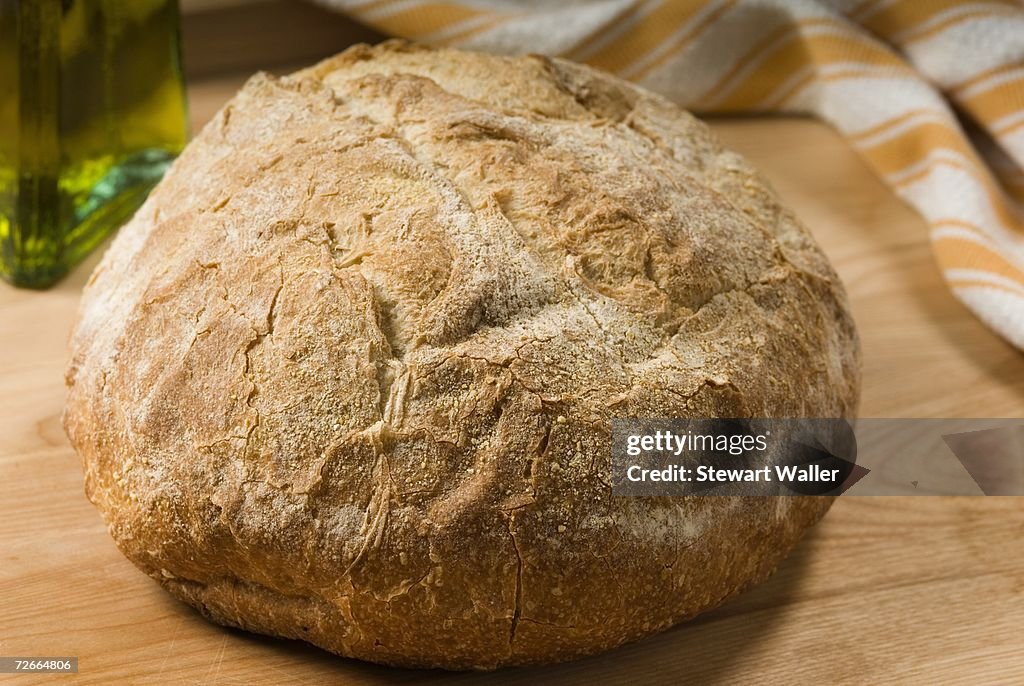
(889, 75)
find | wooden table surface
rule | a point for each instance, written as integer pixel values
(898, 590)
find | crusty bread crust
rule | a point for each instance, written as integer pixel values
(347, 376)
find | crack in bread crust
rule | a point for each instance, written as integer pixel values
(348, 374)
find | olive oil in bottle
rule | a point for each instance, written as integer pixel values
(92, 111)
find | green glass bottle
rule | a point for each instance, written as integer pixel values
(92, 111)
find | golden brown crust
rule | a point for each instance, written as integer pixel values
(347, 376)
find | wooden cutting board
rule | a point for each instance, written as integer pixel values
(903, 590)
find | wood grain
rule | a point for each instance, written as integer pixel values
(899, 590)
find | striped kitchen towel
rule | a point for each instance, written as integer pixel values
(891, 75)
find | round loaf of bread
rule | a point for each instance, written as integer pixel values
(348, 375)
